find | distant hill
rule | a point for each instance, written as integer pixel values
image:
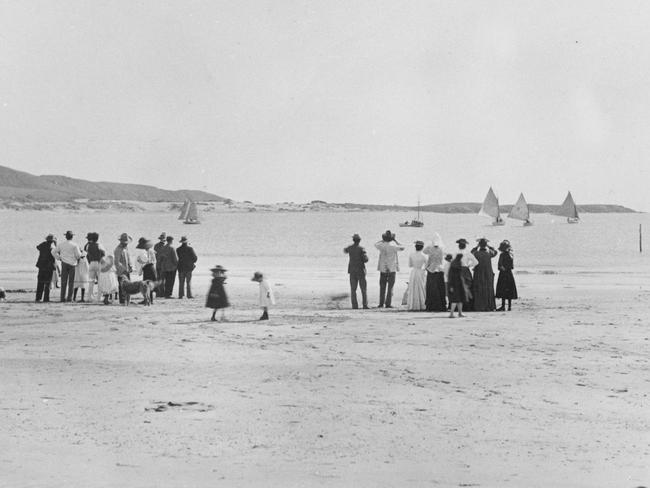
(472, 207)
(18, 185)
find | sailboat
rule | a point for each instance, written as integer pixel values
(415, 222)
(520, 211)
(569, 210)
(490, 208)
(189, 213)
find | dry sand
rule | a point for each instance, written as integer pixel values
(552, 394)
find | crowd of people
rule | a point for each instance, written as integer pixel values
(458, 281)
(80, 268)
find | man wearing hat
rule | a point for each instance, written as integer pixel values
(45, 265)
(123, 266)
(162, 241)
(357, 271)
(168, 263)
(186, 264)
(388, 266)
(68, 252)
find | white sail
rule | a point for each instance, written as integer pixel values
(192, 213)
(568, 208)
(184, 209)
(490, 207)
(520, 210)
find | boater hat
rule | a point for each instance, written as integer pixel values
(462, 241)
(124, 237)
(218, 267)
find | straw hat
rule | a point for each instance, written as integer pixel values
(462, 241)
(162, 236)
(218, 268)
(124, 237)
(144, 243)
(257, 276)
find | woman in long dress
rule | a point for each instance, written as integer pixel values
(483, 281)
(81, 277)
(506, 286)
(145, 260)
(435, 288)
(416, 299)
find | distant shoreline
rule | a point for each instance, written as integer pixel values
(313, 206)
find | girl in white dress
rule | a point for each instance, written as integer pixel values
(107, 282)
(417, 291)
(266, 294)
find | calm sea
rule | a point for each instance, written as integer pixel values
(305, 249)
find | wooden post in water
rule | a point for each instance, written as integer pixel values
(640, 239)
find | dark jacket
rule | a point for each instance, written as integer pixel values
(358, 258)
(167, 259)
(186, 257)
(45, 258)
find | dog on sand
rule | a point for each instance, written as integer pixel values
(145, 287)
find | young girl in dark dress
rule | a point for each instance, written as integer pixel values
(217, 298)
(506, 287)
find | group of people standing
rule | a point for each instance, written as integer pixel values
(83, 267)
(438, 281)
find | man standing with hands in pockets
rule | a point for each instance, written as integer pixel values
(357, 271)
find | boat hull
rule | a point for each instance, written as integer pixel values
(414, 223)
(573, 220)
(499, 222)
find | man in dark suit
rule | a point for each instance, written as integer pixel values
(45, 265)
(186, 264)
(357, 271)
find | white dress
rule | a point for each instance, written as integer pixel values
(81, 274)
(107, 282)
(417, 281)
(266, 294)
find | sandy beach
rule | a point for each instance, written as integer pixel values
(554, 393)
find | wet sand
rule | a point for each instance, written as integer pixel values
(554, 393)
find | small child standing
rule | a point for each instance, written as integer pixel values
(107, 282)
(217, 298)
(266, 294)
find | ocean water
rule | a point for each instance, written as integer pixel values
(305, 249)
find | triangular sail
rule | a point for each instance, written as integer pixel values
(490, 207)
(520, 210)
(193, 212)
(568, 208)
(184, 210)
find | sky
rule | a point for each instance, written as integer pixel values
(344, 101)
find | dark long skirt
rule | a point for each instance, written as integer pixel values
(506, 286)
(483, 290)
(458, 286)
(436, 292)
(217, 297)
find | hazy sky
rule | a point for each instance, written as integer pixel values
(361, 101)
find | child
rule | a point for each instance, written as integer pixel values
(107, 282)
(457, 286)
(217, 298)
(81, 280)
(266, 294)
